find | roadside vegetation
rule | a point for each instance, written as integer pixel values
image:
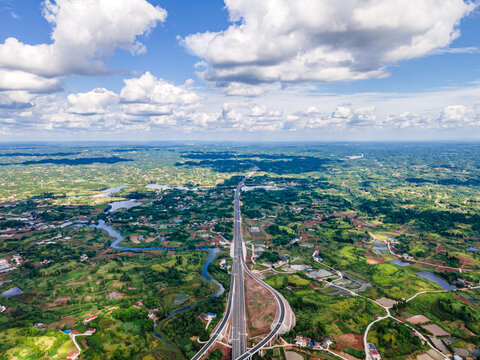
(327, 210)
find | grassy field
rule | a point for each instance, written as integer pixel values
(424, 196)
(397, 282)
(320, 314)
(452, 312)
(32, 344)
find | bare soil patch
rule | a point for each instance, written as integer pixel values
(260, 307)
(68, 321)
(134, 239)
(353, 341)
(435, 330)
(424, 357)
(291, 355)
(386, 301)
(372, 260)
(346, 356)
(466, 261)
(84, 343)
(71, 355)
(418, 319)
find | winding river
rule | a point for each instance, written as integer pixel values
(118, 238)
(212, 252)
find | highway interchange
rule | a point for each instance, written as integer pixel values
(235, 310)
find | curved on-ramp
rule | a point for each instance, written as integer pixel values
(282, 316)
(284, 319)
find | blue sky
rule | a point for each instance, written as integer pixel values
(239, 69)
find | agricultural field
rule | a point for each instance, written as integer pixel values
(125, 233)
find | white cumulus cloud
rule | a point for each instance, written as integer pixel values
(84, 37)
(322, 41)
(148, 89)
(93, 102)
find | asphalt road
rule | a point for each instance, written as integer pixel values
(239, 319)
(240, 311)
(215, 335)
(236, 301)
(282, 313)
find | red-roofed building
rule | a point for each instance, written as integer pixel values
(90, 318)
(138, 305)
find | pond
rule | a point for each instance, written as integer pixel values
(158, 187)
(110, 191)
(166, 187)
(437, 280)
(400, 262)
(117, 205)
(126, 204)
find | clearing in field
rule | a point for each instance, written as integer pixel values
(260, 306)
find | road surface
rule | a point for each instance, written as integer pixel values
(236, 300)
(239, 318)
(282, 305)
(236, 303)
(281, 317)
(79, 349)
(218, 331)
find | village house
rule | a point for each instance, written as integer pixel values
(316, 256)
(374, 353)
(326, 342)
(207, 317)
(302, 341)
(211, 316)
(151, 315)
(224, 265)
(283, 260)
(393, 241)
(465, 282)
(90, 318)
(5, 266)
(408, 257)
(138, 305)
(17, 259)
